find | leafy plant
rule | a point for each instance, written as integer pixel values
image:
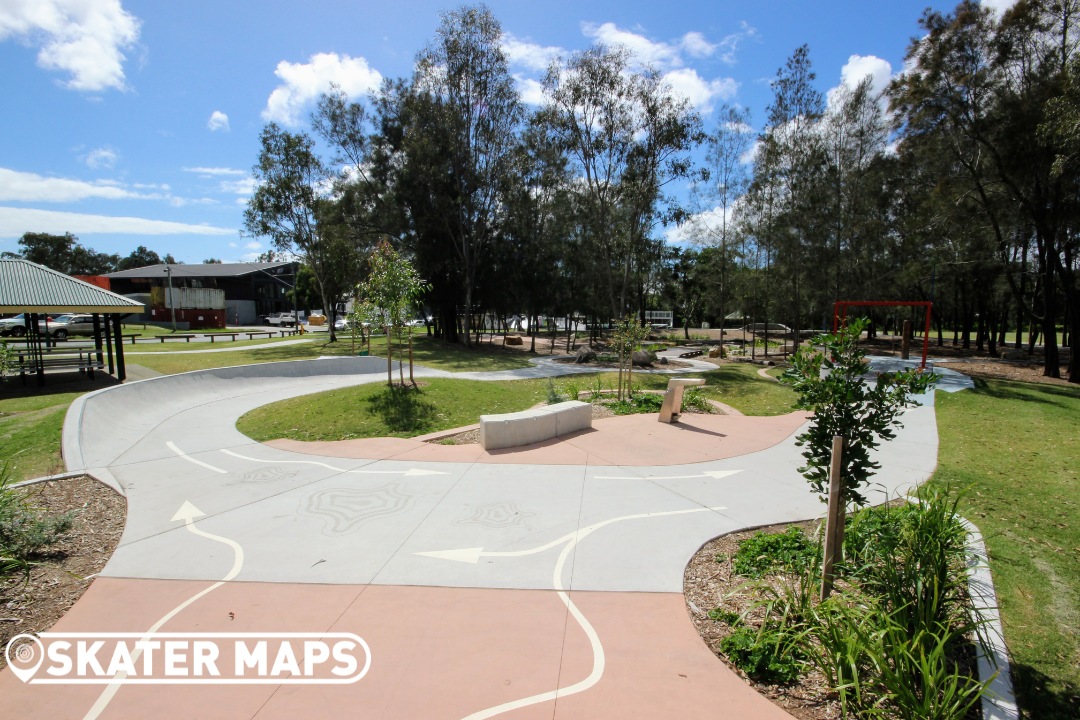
(8, 361)
(640, 403)
(553, 394)
(763, 654)
(832, 384)
(763, 553)
(727, 617)
(24, 533)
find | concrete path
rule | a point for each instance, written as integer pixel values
(539, 582)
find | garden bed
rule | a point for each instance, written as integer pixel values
(63, 571)
(737, 615)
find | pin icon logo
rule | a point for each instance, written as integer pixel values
(24, 656)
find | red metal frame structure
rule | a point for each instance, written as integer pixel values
(840, 308)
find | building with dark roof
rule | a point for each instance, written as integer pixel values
(252, 290)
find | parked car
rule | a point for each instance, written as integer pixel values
(64, 325)
(16, 326)
(281, 319)
(343, 323)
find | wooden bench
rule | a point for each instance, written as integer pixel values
(187, 338)
(267, 333)
(532, 426)
(83, 362)
(221, 334)
(690, 354)
(132, 336)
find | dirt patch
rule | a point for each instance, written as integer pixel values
(1005, 370)
(68, 568)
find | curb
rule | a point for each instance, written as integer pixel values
(998, 702)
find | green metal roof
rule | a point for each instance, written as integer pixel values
(29, 287)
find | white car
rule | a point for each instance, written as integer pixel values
(281, 319)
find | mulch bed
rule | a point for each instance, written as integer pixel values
(64, 573)
(708, 582)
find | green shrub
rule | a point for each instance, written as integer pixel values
(695, 399)
(763, 553)
(765, 655)
(639, 403)
(24, 533)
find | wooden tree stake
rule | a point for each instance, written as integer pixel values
(834, 520)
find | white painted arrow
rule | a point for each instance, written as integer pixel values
(473, 555)
(187, 512)
(714, 474)
(411, 472)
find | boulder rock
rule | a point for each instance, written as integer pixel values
(585, 354)
(716, 352)
(513, 340)
(643, 358)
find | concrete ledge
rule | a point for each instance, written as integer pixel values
(533, 426)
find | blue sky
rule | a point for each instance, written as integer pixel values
(136, 122)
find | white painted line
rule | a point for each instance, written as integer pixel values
(185, 456)
(411, 472)
(714, 474)
(473, 555)
(187, 513)
(599, 661)
(290, 462)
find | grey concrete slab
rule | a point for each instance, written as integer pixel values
(500, 526)
(303, 518)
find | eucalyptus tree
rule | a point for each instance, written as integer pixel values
(538, 219)
(723, 182)
(985, 84)
(466, 76)
(290, 205)
(627, 135)
(790, 158)
(854, 136)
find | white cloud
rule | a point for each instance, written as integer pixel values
(998, 6)
(28, 187)
(101, 158)
(531, 91)
(84, 38)
(702, 229)
(857, 69)
(668, 55)
(730, 44)
(527, 54)
(16, 221)
(244, 187)
(215, 171)
(701, 93)
(660, 54)
(218, 121)
(859, 66)
(303, 82)
(253, 245)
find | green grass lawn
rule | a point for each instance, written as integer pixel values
(374, 410)
(30, 428)
(737, 385)
(1016, 449)
(426, 351)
